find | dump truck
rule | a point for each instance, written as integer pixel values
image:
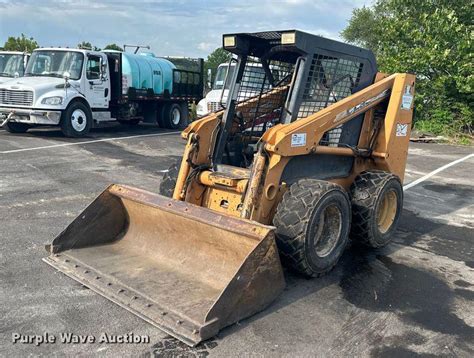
(78, 89)
(286, 176)
(12, 65)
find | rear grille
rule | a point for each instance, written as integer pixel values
(16, 98)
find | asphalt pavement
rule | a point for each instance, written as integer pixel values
(412, 298)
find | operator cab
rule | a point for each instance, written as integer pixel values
(278, 78)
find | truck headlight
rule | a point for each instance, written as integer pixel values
(52, 100)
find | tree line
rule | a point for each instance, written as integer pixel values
(27, 44)
(432, 39)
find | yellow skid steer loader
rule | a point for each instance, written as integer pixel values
(308, 149)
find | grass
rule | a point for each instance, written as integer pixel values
(441, 129)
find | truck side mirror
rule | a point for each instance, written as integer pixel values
(103, 69)
(209, 77)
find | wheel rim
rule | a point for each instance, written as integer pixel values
(328, 230)
(387, 211)
(175, 116)
(78, 120)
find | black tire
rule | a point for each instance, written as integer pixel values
(76, 120)
(312, 226)
(374, 219)
(168, 182)
(174, 116)
(15, 127)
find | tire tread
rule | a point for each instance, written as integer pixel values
(291, 219)
(365, 191)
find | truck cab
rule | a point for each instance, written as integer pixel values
(78, 88)
(12, 64)
(218, 92)
(56, 80)
(216, 98)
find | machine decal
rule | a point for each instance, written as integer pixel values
(360, 106)
(402, 130)
(298, 139)
(407, 99)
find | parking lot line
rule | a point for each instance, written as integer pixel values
(86, 142)
(434, 172)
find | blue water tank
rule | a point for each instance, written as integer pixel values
(145, 71)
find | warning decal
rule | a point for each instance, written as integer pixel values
(402, 130)
(298, 139)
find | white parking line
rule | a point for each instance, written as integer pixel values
(434, 172)
(86, 142)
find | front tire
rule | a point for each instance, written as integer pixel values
(377, 201)
(15, 127)
(313, 223)
(76, 120)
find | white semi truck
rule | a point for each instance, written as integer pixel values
(77, 89)
(12, 64)
(216, 98)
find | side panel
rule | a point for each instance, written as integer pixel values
(395, 134)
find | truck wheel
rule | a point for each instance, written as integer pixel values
(377, 201)
(168, 182)
(174, 116)
(312, 226)
(76, 120)
(15, 127)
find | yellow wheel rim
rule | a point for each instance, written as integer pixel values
(387, 211)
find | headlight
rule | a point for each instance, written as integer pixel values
(52, 100)
(229, 41)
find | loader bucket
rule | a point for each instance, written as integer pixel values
(186, 269)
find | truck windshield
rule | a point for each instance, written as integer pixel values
(11, 64)
(55, 64)
(220, 77)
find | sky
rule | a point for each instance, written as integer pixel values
(171, 27)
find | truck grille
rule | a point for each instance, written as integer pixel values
(16, 98)
(213, 106)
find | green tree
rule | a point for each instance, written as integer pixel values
(215, 58)
(113, 47)
(433, 39)
(21, 43)
(88, 46)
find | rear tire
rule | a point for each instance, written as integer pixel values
(313, 223)
(15, 127)
(173, 116)
(76, 120)
(377, 201)
(168, 183)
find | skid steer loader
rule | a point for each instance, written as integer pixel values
(306, 153)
